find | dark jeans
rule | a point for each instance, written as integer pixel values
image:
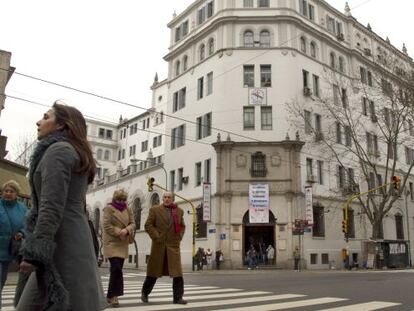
(4, 266)
(116, 279)
(178, 286)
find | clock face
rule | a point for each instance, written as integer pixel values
(257, 96)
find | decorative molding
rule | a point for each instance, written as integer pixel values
(275, 159)
(241, 160)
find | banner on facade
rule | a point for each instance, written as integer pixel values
(308, 205)
(258, 203)
(206, 202)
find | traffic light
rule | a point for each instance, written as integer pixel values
(345, 226)
(196, 229)
(396, 180)
(150, 184)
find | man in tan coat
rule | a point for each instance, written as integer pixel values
(165, 226)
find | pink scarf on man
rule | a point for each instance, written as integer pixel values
(177, 225)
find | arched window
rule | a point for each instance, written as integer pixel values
(341, 64)
(99, 154)
(264, 39)
(177, 67)
(137, 209)
(248, 39)
(313, 49)
(332, 59)
(107, 155)
(202, 52)
(210, 46)
(155, 199)
(303, 44)
(185, 62)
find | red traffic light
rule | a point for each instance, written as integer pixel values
(344, 226)
(396, 180)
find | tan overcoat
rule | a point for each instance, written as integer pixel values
(165, 241)
(114, 221)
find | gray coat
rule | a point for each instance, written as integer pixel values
(61, 242)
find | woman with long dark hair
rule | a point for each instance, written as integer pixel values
(58, 269)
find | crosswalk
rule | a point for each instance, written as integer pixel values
(213, 298)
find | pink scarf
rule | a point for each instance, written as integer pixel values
(120, 206)
(177, 225)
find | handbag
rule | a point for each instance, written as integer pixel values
(131, 238)
(14, 245)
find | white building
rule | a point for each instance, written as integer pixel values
(226, 116)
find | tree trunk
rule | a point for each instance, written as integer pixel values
(377, 229)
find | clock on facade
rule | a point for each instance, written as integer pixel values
(257, 96)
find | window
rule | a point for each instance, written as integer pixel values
(364, 106)
(99, 154)
(303, 7)
(248, 75)
(248, 39)
(181, 31)
(200, 88)
(109, 134)
(248, 118)
(198, 174)
(209, 83)
(411, 187)
(341, 64)
(210, 9)
(303, 44)
(309, 169)
(369, 78)
(157, 141)
(330, 24)
(305, 76)
(123, 154)
(201, 15)
(348, 135)
(341, 177)
(210, 46)
(320, 171)
(411, 127)
(248, 3)
(399, 227)
(332, 59)
(263, 3)
(266, 117)
(318, 221)
(180, 179)
(203, 126)
(258, 167)
(338, 133)
(144, 146)
(101, 133)
(372, 144)
(308, 122)
(264, 39)
(363, 74)
(177, 67)
(311, 12)
(178, 100)
(133, 129)
(408, 155)
(318, 124)
(207, 170)
(132, 150)
(313, 49)
(172, 181)
(344, 98)
(202, 52)
(316, 85)
(178, 137)
(265, 75)
(107, 155)
(339, 30)
(325, 258)
(185, 62)
(313, 259)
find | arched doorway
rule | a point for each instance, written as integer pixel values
(260, 236)
(137, 209)
(155, 199)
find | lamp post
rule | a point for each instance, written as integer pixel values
(407, 193)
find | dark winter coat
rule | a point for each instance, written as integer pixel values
(165, 241)
(60, 244)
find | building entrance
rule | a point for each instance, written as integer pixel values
(260, 236)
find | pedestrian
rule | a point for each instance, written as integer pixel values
(270, 251)
(199, 258)
(165, 226)
(58, 247)
(219, 258)
(12, 216)
(209, 255)
(296, 258)
(118, 233)
(252, 258)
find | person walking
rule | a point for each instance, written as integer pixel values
(12, 216)
(296, 258)
(58, 271)
(209, 255)
(199, 258)
(252, 258)
(165, 226)
(219, 258)
(118, 233)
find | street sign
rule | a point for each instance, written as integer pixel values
(222, 236)
(212, 230)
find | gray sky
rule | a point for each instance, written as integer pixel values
(113, 48)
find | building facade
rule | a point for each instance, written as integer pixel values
(245, 104)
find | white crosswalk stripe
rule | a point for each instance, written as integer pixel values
(222, 299)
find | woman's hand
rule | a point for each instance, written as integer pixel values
(123, 234)
(18, 236)
(26, 267)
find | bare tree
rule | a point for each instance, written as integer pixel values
(368, 122)
(22, 148)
